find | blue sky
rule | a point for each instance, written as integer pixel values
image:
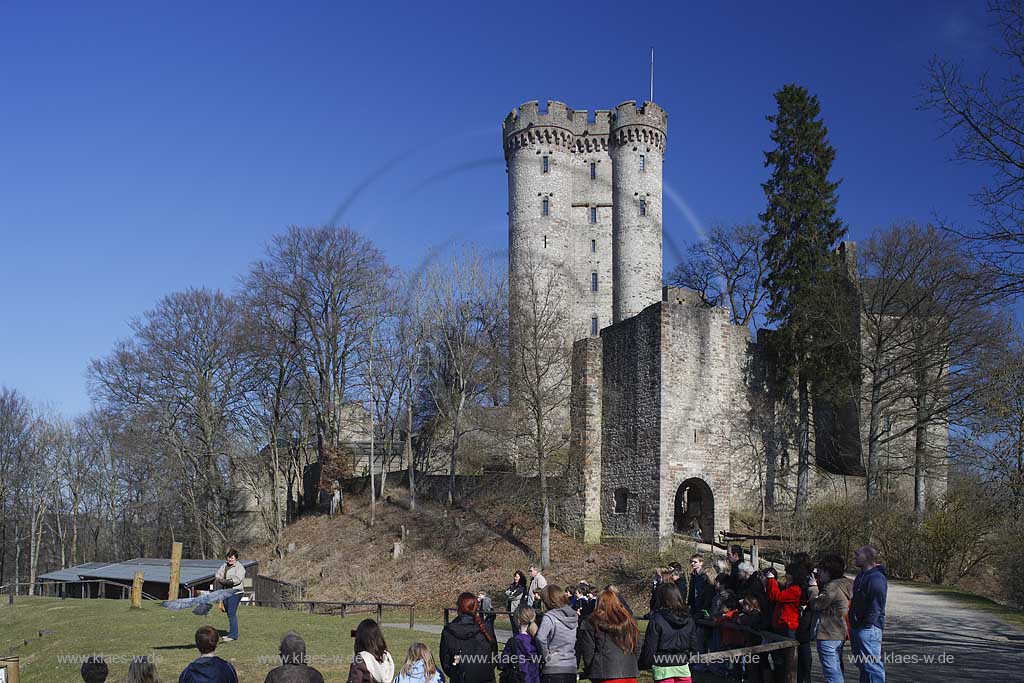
(147, 147)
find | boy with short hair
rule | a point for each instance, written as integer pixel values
(94, 670)
(208, 668)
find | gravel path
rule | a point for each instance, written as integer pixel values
(932, 637)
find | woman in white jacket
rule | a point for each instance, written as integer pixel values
(231, 575)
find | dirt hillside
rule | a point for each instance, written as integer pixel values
(476, 546)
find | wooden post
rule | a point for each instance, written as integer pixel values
(380, 612)
(412, 617)
(137, 590)
(791, 664)
(9, 669)
(753, 556)
(172, 585)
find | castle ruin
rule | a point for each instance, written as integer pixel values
(661, 384)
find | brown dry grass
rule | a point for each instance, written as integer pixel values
(476, 546)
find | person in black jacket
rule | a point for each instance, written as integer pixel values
(468, 647)
(607, 641)
(699, 596)
(671, 637)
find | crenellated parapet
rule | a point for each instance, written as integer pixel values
(560, 125)
(647, 124)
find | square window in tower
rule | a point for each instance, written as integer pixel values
(643, 162)
(593, 282)
(545, 207)
(545, 164)
(593, 214)
(593, 170)
(593, 327)
(643, 207)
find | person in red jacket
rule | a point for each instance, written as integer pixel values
(786, 606)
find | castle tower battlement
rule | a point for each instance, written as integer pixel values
(575, 128)
(637, 148)
(648, 124)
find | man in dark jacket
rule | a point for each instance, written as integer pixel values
(468, 653)
(867, 614)
(698, 596)
(294, 667)
(735, 558)
(209, 668)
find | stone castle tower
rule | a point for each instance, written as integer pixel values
(584, 199)
(666, 400)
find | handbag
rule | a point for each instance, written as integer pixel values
(807, 629)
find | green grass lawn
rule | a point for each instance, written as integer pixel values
(74, 628)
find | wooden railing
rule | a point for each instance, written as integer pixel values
(342, 609)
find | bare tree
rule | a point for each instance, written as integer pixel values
(727, 269)
(991, 439)
(985, 117)
(463, 318)
(15, 438)
(918, 325)
(328, 283)
(540, 374)
(183, 371)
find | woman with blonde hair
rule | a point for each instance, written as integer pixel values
(142, 670)
(607, 641)
(419, 666)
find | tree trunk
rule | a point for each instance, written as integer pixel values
(411, 461)
(545, 527)
(874, 434)
(804, 448)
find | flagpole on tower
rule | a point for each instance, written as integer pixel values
(652, 74)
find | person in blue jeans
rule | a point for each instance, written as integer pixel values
(867, 614)
(828, 596)
(231, 575)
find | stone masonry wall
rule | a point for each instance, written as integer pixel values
(631, 421)
(585, 438)
(703, 361)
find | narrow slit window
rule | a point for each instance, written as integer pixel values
(593, 170)
(593, 326)
(593, 246)
(593, 282)
(643, 207)
(643, 163)
(593, 214)
(546, 164)
(545, 207)
(545, 241)
(621, 501)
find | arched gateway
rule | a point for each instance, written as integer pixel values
(695, 510)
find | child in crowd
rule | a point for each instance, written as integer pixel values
(520, 660)
(94, 670)
(208, 668)
(419, 666)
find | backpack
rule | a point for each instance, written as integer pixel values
(510, 672)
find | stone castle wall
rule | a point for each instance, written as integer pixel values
(631, 419)
(704, 358)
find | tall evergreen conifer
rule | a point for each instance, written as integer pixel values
(802, 232)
